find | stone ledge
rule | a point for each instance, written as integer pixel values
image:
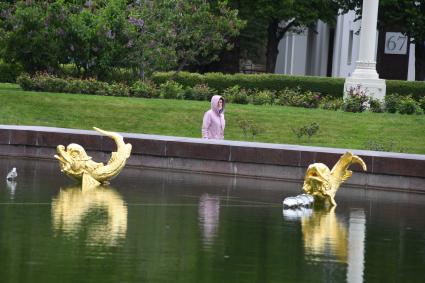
(382, 163)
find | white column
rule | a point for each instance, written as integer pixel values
(365, 73)
(411, 68)
(356, 246)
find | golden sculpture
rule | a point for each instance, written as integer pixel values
(75, 162)
(72, 208)
(323, 183)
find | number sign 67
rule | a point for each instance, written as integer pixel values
(395, 43)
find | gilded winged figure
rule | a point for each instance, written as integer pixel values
(323, 183)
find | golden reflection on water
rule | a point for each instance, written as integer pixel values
(99, 212)
(324, 234)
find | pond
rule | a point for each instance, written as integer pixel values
(162, 226)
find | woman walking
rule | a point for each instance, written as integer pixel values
(214, 123)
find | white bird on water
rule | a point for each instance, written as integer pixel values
(12, 174)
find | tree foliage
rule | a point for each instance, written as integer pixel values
(173, 34)
(269, 20)
(97, 36)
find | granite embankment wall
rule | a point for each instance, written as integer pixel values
(390, 171)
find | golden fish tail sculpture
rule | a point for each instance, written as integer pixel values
(323, 183)
(75, 162)
(118, 158)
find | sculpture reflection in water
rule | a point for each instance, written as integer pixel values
(324, 234)
(73, 207)
(208, 215)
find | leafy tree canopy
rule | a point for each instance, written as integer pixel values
(98, 35)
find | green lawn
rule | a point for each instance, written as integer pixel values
(393, 132)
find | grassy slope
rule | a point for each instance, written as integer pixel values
(184, 118)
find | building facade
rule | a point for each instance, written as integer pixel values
(333, 51)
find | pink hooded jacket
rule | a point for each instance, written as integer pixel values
(214, 123)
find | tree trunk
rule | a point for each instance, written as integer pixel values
(272, 46)
(142, 72)
(420, 61)
(179, 69)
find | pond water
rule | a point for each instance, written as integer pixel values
(161, 226)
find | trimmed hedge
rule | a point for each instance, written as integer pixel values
(325, 85)
(404, 88)
(274, 82)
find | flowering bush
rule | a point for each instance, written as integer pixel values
(357, 100)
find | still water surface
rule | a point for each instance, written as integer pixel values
(159, 226)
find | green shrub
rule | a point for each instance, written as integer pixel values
(9, 72)
(25, 81)
(285, 96)
(235, 94)
(51, 83)
(276, 82)
(307, 100)
(382, 145)
(122, 75)
(250, 128)
(407, 105)
(146, 89)
(262, 97)
(414, 88)
(392, 102)
(171, 90)
(203, 92)
(331, 104)
(272, 82)
(199, 92)
(422, 103)
(118, 89)
(77, 86)
(375, 105)
(189, 93)
(307, 130)
(89, 86)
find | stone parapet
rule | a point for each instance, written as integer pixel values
(251, 159)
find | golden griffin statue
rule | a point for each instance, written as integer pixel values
(74, 162)
(323, 183)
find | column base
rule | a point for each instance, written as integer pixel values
(373, 87)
